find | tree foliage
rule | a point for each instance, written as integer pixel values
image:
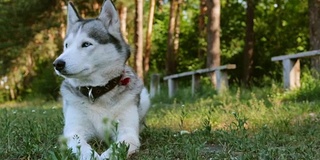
(30, 35)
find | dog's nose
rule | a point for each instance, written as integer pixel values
(59, 65)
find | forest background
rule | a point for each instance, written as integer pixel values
(32, 33)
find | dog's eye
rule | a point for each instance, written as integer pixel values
(66, 45)
(85, 44)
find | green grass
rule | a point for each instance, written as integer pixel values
(260, 123)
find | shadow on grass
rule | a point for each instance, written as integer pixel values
(29, 132)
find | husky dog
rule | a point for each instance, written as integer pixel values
(99, 89)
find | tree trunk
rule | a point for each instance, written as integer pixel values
(314, 25)
(202, 28)
(171, 64)
(139, 38)
(249, 44)
(177, 30)
(122, 9)
(213, 36)
(149, 36)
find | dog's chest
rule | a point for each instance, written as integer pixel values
(99, 111)
(102, 116)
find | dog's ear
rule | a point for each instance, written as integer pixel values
(72, 17)
(109, 16)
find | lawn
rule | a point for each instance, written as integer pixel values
(256, 123)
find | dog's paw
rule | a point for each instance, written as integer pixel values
(116, 151)
(89, 154)
(82, 150)
(105, 155)
(76, 139)
(75, 144)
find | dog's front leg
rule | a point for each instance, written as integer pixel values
(81, 148)
(130, 137)
(127, 132)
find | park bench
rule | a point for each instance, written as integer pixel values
(220, 74)
(291, 67)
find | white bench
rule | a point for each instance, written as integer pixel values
(291, 67)
(221, 78)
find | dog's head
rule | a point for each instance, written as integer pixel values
(92, 46)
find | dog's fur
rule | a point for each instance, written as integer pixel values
(95, 53)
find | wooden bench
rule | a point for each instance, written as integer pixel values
(291, 67)
(221, 78)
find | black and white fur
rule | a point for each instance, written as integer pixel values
(94, 53)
